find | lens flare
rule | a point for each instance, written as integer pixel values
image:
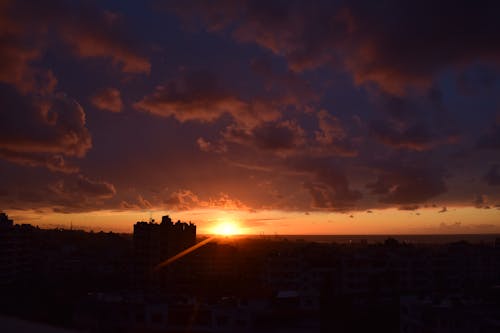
(227, 228)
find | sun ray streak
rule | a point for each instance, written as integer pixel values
(182, 253)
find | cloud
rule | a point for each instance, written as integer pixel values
(182, 200)
(52, 162)
(492, 177)
(331, 136)
(42, 130)
(78, 194)
(331, 129)
(97, 35)
(331, 198)
(194, 96)
(139, 204)
(201, 96)
(108, 99)
(416, 136)
(75, 194)
(17, 52)
(15, 68)
(327, 184)
(28, 30)
(97, 189)
(280, 136)
(288, 137)
(90, 32)
(412, 124)
(186, 200)
(408, 185)
(207, 146)
(393, 44)
(409, 207)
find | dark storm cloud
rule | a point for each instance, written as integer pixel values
(285, 135)
(68, 194)
(271, 136)
(323, 197)
(414, 124)
(77, 194)
(98, 189)
(39, 127)
(391, 43)
(408, 184)
(417, 136)
(41, 130)
(328, 184)
(288, 105)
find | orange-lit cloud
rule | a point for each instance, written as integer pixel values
(108, 99)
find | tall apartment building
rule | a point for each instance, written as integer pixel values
(156, 242)
(16, 253)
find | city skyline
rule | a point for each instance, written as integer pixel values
(252, 117)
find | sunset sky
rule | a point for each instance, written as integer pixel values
(284, 117)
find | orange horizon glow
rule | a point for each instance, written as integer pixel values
(456, 220)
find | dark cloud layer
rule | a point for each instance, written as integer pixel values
(327, 183)
(408, 184)
(78, 194)
(88, 30)
(284, 105)
(392, 44)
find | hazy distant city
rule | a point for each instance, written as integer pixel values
(63, 280)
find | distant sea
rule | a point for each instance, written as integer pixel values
(373, 239)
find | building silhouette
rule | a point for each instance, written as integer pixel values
(156, 242)
(16, 252)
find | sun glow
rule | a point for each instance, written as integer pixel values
(226, 228)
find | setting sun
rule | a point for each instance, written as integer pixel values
(226, 228)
